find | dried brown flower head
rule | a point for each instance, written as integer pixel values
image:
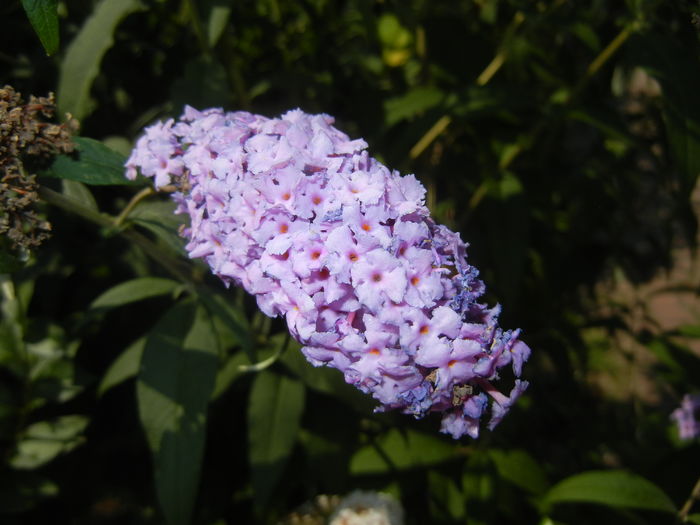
(28, 141)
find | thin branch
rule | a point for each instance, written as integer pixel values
(171, 264)
(694, 496)
(146, 192)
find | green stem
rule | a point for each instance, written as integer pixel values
(171, 264)
(72, 206)
(486, 75)
(146, 192)
(694, 496)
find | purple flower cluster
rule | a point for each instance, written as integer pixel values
(686, 416)
(321, 233)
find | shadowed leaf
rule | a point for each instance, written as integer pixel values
(43, 16)
(84, 54)
(274, 414)
(177, 375)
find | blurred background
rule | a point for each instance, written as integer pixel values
(560, 138)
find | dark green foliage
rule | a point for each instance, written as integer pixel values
(561, 138)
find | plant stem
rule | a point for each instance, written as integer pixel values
(72, 206)
(146, 192)
(694, 496)
(171, 264)
(486, 75)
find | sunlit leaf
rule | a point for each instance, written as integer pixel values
(176, 379)
(43, 441)
(43, 16)
(218, 18)
(412, 103)
(614, 488)
(93, 163)
(81, 63)
(135, 290)
(274, 414)
(694, 518)
(401, 451)
(518, 467)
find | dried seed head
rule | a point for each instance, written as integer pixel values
(28, 141)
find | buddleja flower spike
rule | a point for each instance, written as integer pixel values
(321, 233)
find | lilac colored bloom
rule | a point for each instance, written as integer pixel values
(686, 416)
(345, 249)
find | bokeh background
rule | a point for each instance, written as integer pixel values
(560, 138)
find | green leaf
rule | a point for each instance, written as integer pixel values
(135, 290)
(79, 192)
(614, 488)
(689, 330)
(43, 15)
(43, 441)
(412, 103)
(325, 380)
(518, 467)
(274, 415)
(93, 163)
(203, 84)
(84, 54)
(446, 499)
(391, 33)
(218, 18)
(124, 367)
(229, 318)
(177, 374)
(159, 218)
(12, 328)
(229, 372)
(8, 262)
(694, 518)
(397, 450)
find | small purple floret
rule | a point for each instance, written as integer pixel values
(321, 233)
(687, 416)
